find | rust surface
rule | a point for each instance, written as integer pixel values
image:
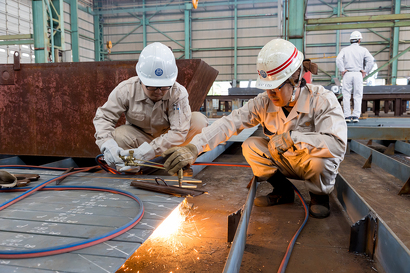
(48, 109)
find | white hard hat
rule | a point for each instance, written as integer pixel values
(277, 61)
(356, 35)
(156, 66)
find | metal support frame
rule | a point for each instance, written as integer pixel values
(45, 42)
(187, 21)
(395, 45)
(390, 165)
(390, 251)
(296, 18)
(233, 263)
(74, 30)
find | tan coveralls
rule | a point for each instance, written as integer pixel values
(164, 124)
(318, 130)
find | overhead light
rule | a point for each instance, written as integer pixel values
(24, 46)
(12, 51)
(25, 55)
(2, 50)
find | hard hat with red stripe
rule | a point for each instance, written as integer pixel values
(277, 61)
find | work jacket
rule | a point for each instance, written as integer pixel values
(167, 120)
(354, 58)
(316, 123)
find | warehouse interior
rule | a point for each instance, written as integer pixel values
(61, 59)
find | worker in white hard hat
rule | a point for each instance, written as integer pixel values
(354, 62)
(306, 134)
(156, 108)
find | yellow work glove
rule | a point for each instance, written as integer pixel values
(281, 143)
(180, 157)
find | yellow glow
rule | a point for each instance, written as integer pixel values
(171, 224)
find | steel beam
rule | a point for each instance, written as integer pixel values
(74, 30)
(233, 263)
(390, 251)
(382, 133)
(402, 147)
(390, 165)
(355, 19)
(296, 21)
(358, 26)
(395, 45)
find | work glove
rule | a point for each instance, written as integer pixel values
(111, 152)
(144, 152)
(280, 144)
(180, 157)
(7, 180)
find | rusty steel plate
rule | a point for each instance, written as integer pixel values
(49, 108)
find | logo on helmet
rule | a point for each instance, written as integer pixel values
(263, 74)
(159, 72)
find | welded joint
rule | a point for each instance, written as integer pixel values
(368, 163)
(233, 222)
(406, 188)
(363, 235)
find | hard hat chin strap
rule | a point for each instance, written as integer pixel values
(295, 86)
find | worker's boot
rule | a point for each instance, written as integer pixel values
(319, 205)
(282, 192)
(7, 180)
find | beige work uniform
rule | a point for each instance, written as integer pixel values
(163, 124)
(318, 130)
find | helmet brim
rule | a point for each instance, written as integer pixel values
(263, 84)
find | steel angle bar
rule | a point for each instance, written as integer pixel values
(383, 133)
(210, 156)
(233, 263)
(14, 160)
(390, 251)
(387, 163)
(402, 147)
(64, 163)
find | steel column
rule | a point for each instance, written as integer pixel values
(40, 30)
(74, 30)
(98, 33)
(187, 20)
(296, 18)
(235, 46)
(144, 25)
(395, 46)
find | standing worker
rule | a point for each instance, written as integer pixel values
(156, 108)
(354, 62)
(305, 130)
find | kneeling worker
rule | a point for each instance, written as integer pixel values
(304, 124)
(156, 108)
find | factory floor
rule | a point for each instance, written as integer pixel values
(201, 246)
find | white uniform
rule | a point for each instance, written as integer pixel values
(353, 59)
(164, 124)
(318, 130)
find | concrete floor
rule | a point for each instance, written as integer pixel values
(321, 247)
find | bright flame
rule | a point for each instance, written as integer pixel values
(171, 224)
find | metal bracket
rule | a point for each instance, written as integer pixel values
(368, 163)
(233, 221)
(389, 150)
(363, 235)
(406, 188)
(16, 65)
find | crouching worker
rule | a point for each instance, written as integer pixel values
(156, 108)
(306, 133)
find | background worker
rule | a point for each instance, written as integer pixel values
(156, 108)
(306, 133)
(354, 62)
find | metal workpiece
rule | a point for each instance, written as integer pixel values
(390, 165)
(49, 107)
(233, 263)
(388, 250)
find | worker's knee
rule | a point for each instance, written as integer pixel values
(198, 121)
(254, 145)
(125, 136)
